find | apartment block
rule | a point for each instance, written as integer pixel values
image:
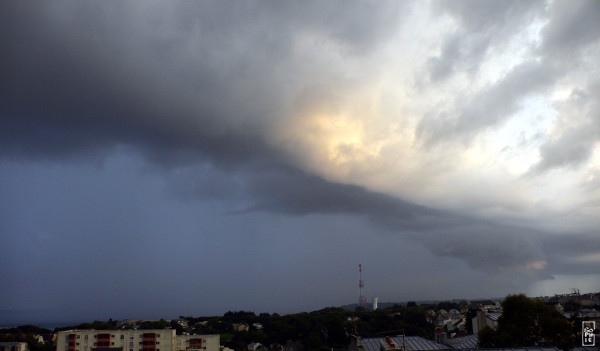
(134, 340)
(14, 346)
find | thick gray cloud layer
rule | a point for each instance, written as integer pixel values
(200, 93)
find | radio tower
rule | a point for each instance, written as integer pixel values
(362, 300)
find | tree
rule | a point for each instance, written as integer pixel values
(486, 337)
(178, 327)
(526, 322)
(469, 323)
(161, 324)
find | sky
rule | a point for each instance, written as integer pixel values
(160, 159)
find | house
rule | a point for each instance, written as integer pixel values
(183, 323)
(240, 327)
(127, 323)
(459, 325)
(254, 346)
(485, 319)
(39, 339)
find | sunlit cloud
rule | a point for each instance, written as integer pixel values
(536, 265)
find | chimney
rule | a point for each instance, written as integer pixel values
(441, 337)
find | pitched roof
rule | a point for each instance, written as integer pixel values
(464, 342)
(413, 343)
(494, 315)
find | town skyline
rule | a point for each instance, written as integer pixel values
(49, 322)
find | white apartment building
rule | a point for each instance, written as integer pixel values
(14, 346)
(134, 340)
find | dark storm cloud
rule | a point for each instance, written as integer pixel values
(69, 94)
(82, 78)
(499, 249)
(86, 79)
(569, 252)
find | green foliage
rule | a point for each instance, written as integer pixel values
(226, 337)
(178, 328)
(239, 315)
(161, 324)
(469, 320)
(487, 337)
(98, 325)
(571, 306)
(526, 322)
(325, 328)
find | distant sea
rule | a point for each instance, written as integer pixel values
(43, 319)
(46, 325)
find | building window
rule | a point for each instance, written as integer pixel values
(131, 344)
(158, 342)
(85, 337)
(78, 336)
(122, 337)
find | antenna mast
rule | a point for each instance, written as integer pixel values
(362, 300)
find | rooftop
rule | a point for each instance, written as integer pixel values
(413, 343)
(464, 342)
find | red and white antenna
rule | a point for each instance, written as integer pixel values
(362, 300)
